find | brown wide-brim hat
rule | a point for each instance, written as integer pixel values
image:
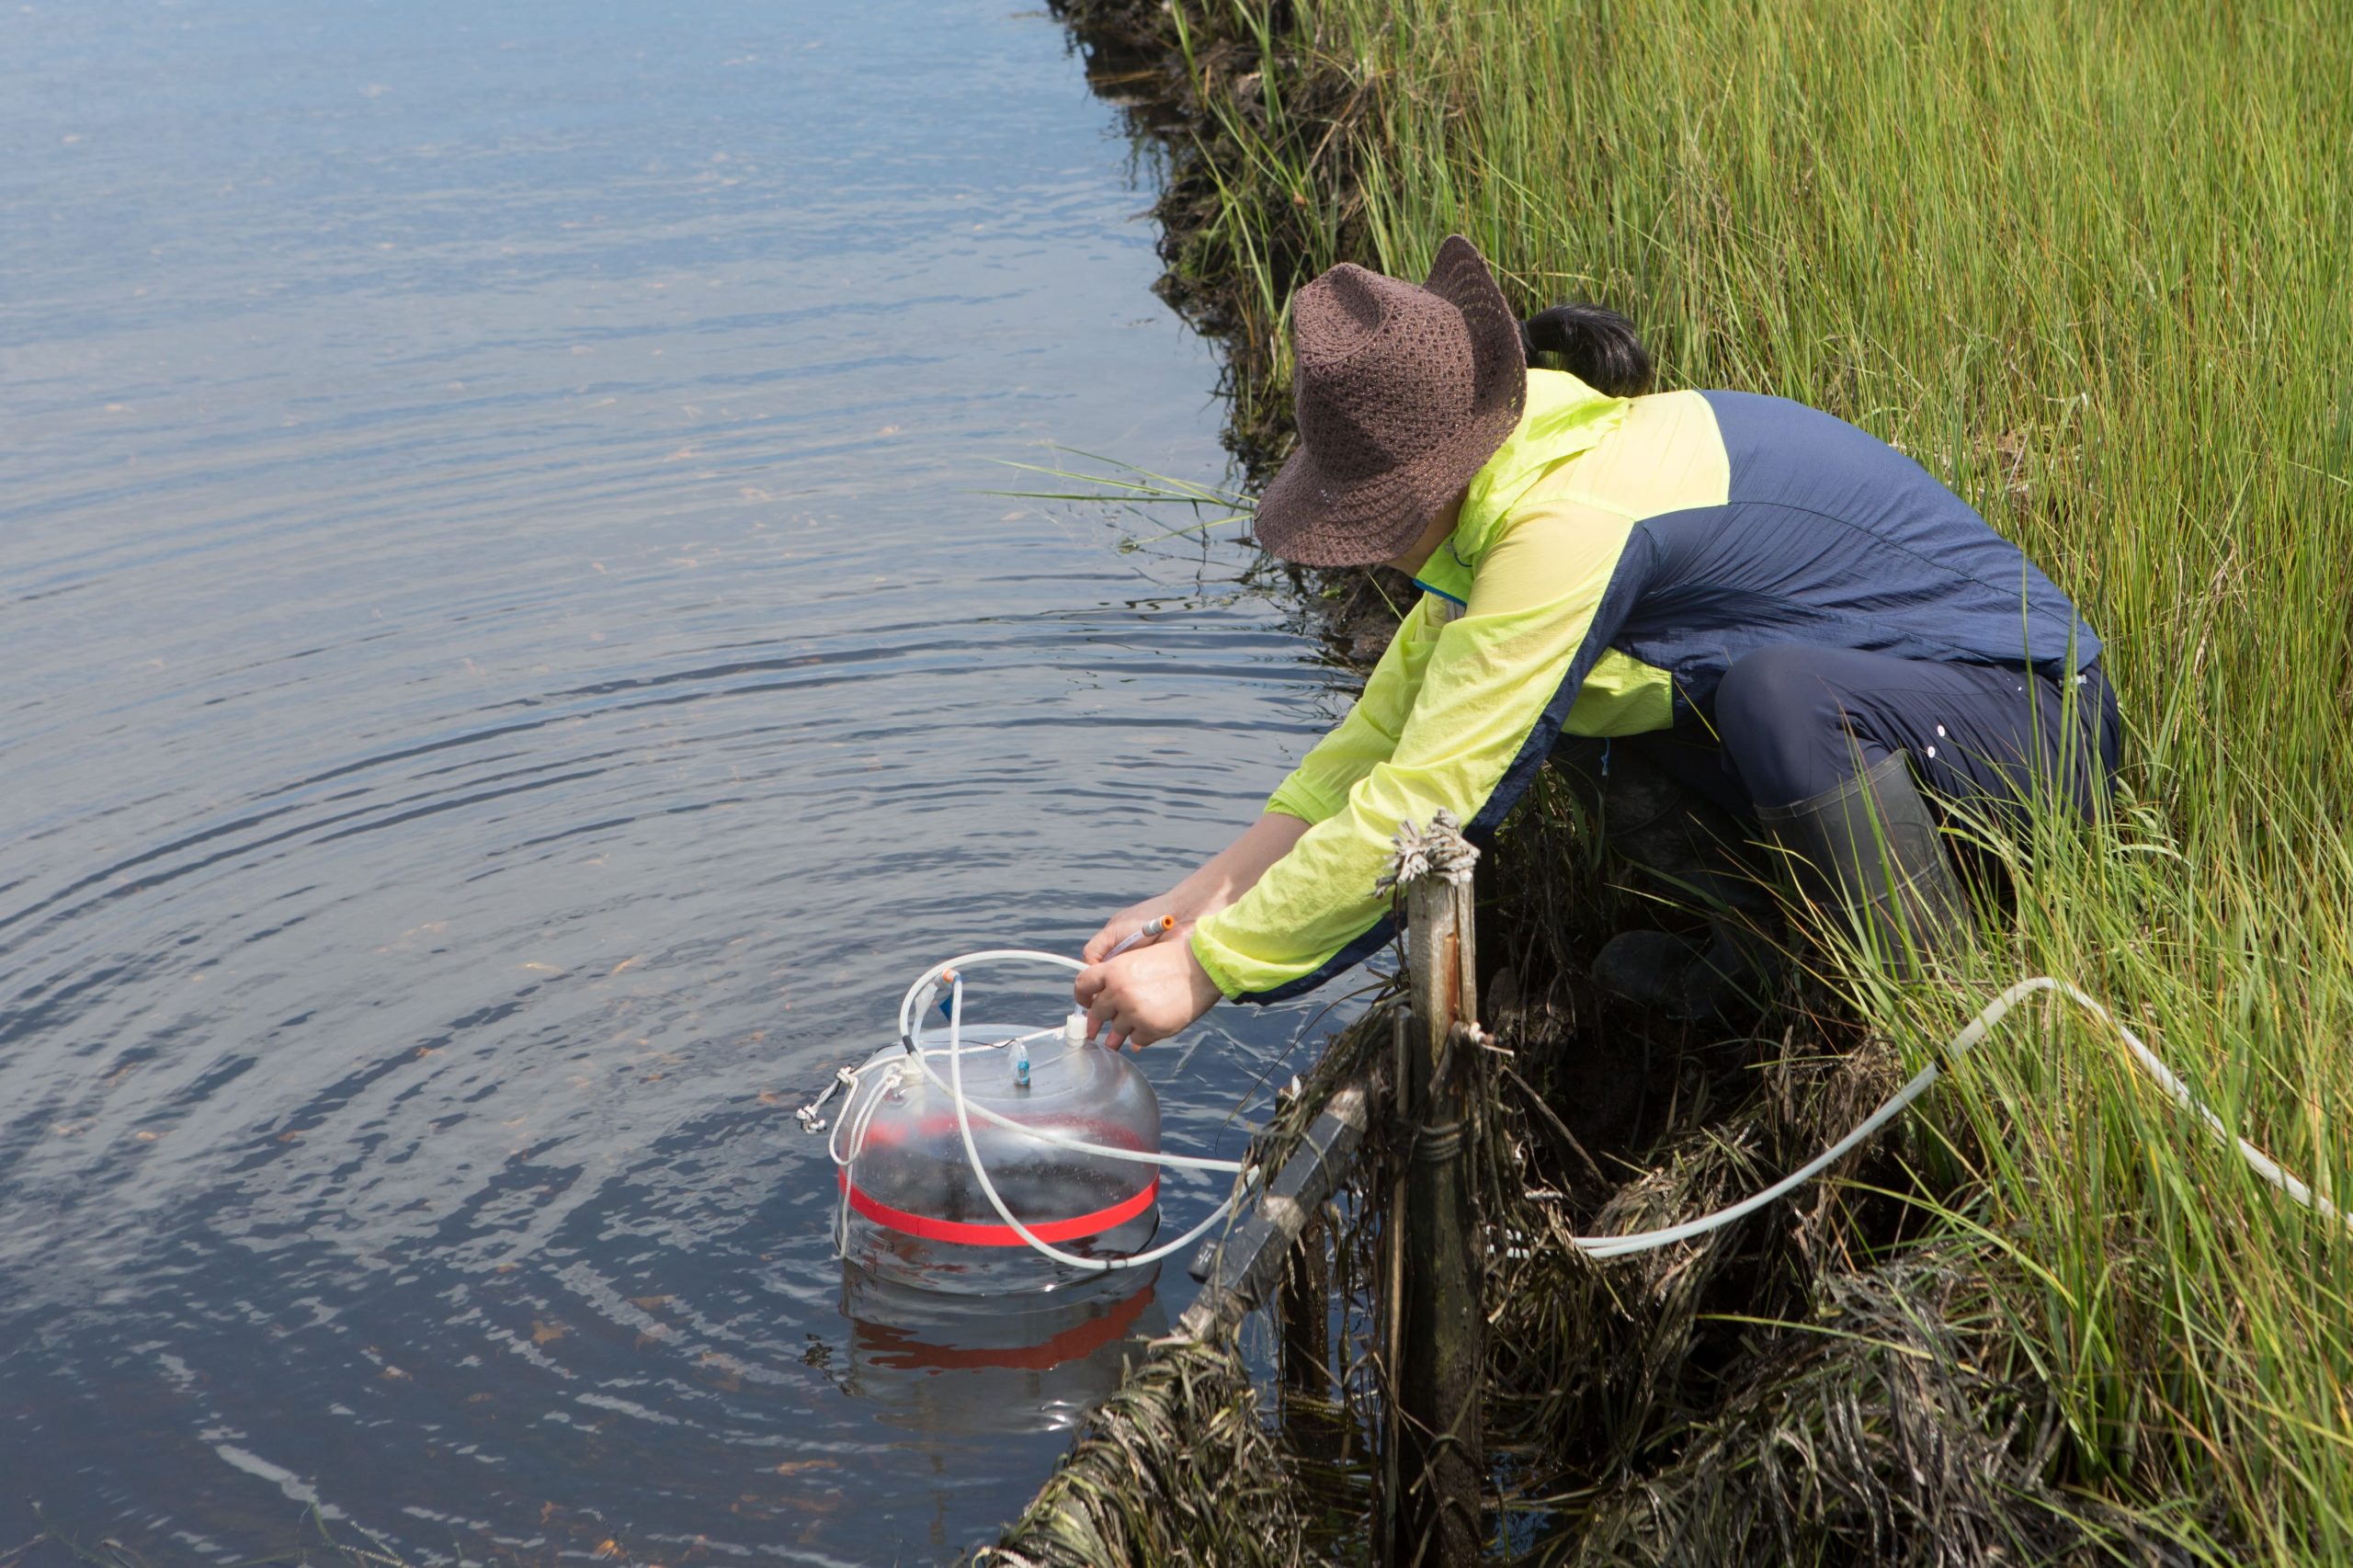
(1402, 395)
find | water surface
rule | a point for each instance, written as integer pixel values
(510, 671)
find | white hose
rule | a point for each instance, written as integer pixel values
(909, 1028)
(911, 1035)
(1954, 1048)
(1599, 1247)
(917, 1001)
(988, 1188)
(1060, 1141)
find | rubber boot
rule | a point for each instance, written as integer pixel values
(1872, 844)
(1688, 845)
(1676, 976)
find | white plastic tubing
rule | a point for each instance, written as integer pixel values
(917, 1001)
(1954, 1048)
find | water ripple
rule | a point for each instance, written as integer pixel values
(513, 664)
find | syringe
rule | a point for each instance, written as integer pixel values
(1149, 931)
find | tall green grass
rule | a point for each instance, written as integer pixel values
(2089, 265)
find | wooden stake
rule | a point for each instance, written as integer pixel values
(1440, 1322)
(1303, 1303)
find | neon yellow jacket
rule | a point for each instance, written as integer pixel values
(1609, 562)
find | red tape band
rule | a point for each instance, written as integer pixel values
(964, 1233)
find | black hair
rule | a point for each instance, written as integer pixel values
(1596, 345)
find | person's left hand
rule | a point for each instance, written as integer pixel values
(1146, 993)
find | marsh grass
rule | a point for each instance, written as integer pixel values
(1151, 500)
(2089, 265)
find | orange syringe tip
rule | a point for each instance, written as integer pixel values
(1168, 923)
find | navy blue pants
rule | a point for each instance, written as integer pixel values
(1791, 721)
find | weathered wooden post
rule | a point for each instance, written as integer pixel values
(1303, 1309)
(1439, 1323)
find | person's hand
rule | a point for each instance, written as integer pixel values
(1122, 925)
(1146, 993)
(1223, 878)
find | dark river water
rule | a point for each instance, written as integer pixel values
(510, 671)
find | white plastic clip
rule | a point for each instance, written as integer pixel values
(810, 1121)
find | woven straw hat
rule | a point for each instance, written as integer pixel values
(1401, 394)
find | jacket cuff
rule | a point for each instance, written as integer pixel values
(1207, 954)
(1294, 797)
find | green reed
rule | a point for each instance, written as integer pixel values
(2088, 263)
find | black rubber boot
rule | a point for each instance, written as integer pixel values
(1691, 848)
(1678, 977)
(1872, 844)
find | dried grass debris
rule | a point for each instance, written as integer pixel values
(1178, 1467)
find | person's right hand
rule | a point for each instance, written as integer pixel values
(1225, 877)
(1122, 925)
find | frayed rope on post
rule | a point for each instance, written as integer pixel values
(1439, 850)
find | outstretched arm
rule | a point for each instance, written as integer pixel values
(1223, 878)
(1150, 993)
(1495, 689)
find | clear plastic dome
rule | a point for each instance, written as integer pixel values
(1032, 1362)
(911, 1209)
